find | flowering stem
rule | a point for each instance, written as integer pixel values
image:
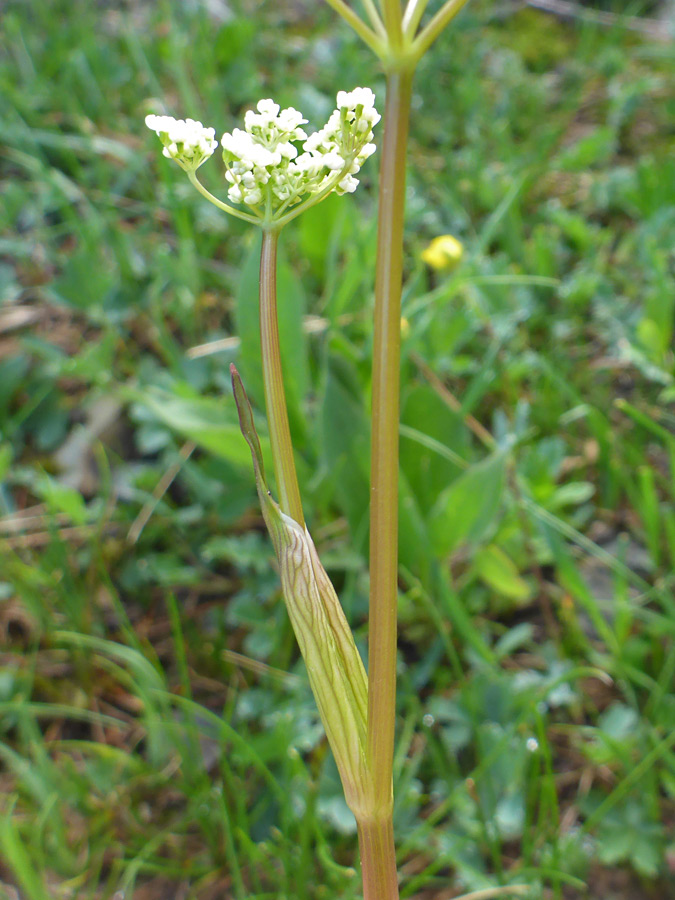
(275, 399)
(376, 836)
(378, 861)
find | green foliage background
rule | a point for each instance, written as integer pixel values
(157, 734)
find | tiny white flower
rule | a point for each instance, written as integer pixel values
(268, 108)
(333, 160)
(313, 142)
(290, 120)
(287, 150)
(186, 141)
(348, 185)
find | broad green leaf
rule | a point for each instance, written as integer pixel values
(201, 419)
(593, 148)
(63, 499)
(426, 470)
(499, 572)
(467, 507)
(345, 445)
(6, 455)
(316, 229)
(413, 535)
(574, 493)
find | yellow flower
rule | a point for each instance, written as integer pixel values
(443, 253)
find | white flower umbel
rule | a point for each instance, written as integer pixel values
(347, 135)
(185, 140)
(265, 168)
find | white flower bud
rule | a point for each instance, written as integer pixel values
(235, 194)
(366, 151)
(253, 197)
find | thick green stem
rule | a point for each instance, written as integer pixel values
(378, 860)
(275, 398)
(384, 461)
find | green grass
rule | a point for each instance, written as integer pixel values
(158, 735)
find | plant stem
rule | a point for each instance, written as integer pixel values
(384, 490)
(275, 398)
(378, 861)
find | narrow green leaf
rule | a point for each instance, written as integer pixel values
(16, 855)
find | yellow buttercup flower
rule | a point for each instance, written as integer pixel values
(443, 253)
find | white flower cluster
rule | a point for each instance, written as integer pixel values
(186, 141)
(263, 161)
(261, 151)
(346, 137)
(265, 169)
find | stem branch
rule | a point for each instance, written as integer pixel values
(392, 16)
(252, 220)
(375, 20)
(413, 16)
(435, 26)
(364, 31)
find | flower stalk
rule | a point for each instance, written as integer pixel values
(275, 400)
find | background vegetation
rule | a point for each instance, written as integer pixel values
(157, 733)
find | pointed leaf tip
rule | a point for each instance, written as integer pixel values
(246, 422)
